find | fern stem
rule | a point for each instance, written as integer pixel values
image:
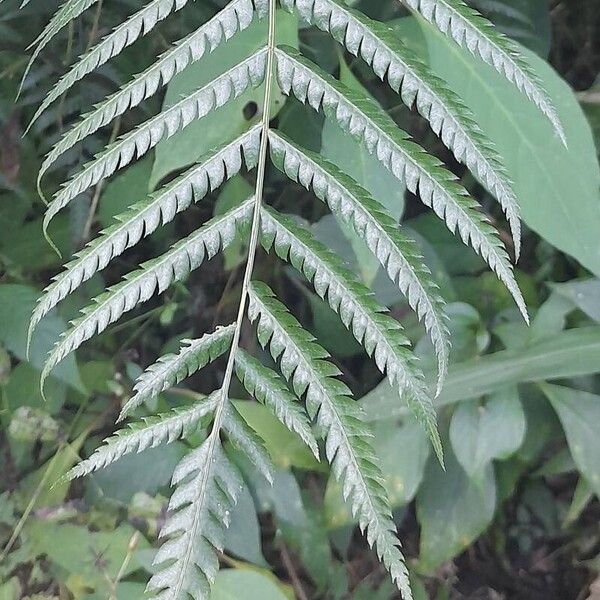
(253, 244)
(254, 234)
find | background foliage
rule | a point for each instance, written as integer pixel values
(515, 515)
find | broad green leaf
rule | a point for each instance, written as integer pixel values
(237, 116)
(547, 176)
(452, 510)
(231, 193)
(23, 389)
(16, 305)
(494, 429)
(582, 496)
(551, 318)
(233, 584)
(77, 549)
(49, 478)
(147, 471)
(583, 293)
(579, 413)
(572, 353)
(242, 537)
(286, 448)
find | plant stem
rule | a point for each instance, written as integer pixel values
(213, 438)
(253, 243)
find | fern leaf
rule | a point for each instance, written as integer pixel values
(423, 174)
(339, 420)
(379, 334)
(144, 217)
(137, 25)
(245, 439)
(174, 368)
(153, 277)
(218, 92)
(393, 62)
(236, 16)
(267, 387)
(398, 254)
(148, 433)
(472, 32)
(207, 488)
(70, 10)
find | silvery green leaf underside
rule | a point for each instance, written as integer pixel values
(338, 417)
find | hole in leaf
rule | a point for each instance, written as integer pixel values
(250, 110)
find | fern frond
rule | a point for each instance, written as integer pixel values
(171, 369)
(476, 34)
(147, 433)
(70, 10)
(267, 387)
(236, 16)
(379, 334)
(218, 92)
(393, 62)
(137, 25)
(398, 254)
(328, 401)
(144, 217)
(423, 174)
(207, 488)
(245, 439)
(153, 277)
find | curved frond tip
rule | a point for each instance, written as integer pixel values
(137, 25)
(207, 486)
(477, 35)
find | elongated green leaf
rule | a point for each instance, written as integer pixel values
(572, 353)
(377, 332)
(579, 413)
(424, 175)
(395, 63)
(397, 253)
(546, 175)
(268, 387)
(483, 432)
(452, 510)
(144, 217)
(153, 277)
(229, 85)
(171, 369)
(472, 32)
(353, 461)
(236, 16)
(70, 10)
(138, 24)
(148, 433)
